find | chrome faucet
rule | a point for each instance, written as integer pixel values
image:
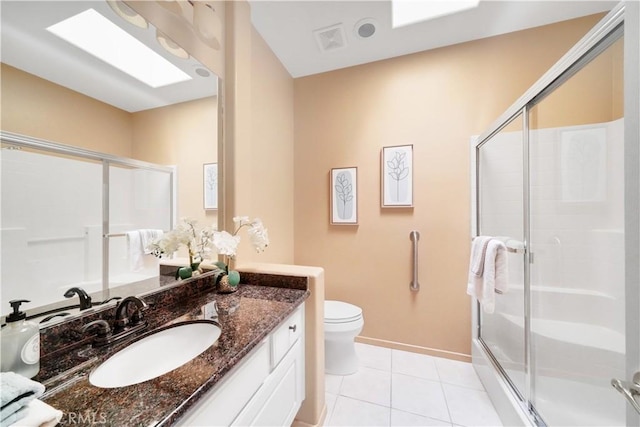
(122, 313)
(85, 300)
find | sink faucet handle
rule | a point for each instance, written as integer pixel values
(85, 300)
(137, 316)
(103, 331)
(122, 314)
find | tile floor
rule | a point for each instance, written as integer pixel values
(399, 388)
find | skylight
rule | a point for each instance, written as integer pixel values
(95, 34)
(407, 12)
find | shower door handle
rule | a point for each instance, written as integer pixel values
(629, 390)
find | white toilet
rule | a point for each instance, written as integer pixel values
(342, 323)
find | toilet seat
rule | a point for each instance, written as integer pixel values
(341, 312)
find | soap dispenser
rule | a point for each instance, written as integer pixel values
(20, 345)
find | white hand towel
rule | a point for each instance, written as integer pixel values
(134, 247)
(39, 414)
(494, 276)
(149, 236)
(478, 253)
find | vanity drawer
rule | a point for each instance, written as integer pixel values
(286, 335)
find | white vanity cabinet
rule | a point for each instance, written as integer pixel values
(266, 388)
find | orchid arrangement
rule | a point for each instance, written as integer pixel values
(197, 241)
(227, 243)
(205, 242)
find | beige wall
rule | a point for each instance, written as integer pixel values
(259, 120)
(184, 135)
(593, 95)
(36, 107)
(435, 100)
(272, 150)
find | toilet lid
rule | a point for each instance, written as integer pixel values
(341, 312)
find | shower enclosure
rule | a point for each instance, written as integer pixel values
(558, 172)
(65, 214)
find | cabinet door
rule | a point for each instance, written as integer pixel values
(285, 400)
(285, 335)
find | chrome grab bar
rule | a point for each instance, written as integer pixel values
(629, 390)
(415, 236)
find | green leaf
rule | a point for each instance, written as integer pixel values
(221, 265)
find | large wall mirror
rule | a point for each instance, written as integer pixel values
(54, 90)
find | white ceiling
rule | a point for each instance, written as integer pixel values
(287, 27)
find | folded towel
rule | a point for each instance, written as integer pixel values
(148, 236)
(16, 391)
(39, 414)
(134, 249)
(494, 273)
(15, 417)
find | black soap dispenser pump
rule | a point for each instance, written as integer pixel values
(20, 343)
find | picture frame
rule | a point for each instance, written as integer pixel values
(210, 186)
(343, 188)
(396, 176)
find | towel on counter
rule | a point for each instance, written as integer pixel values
(16, 391)
(135, 251)
(14, 418)
(39, 414)
(491, 253)
(148, 236)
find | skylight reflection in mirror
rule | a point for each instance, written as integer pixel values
(98, 36)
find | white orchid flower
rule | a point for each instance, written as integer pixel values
(227, 244)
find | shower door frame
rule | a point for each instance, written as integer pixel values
(624, 18)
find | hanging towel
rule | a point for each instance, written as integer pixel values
(148, 236)
(16, 391)
(39, 414)
(494, 271)
(135, 251)
(478, 253)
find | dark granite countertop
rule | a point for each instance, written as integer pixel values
(246, 317)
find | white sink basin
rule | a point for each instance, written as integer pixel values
(155, 355)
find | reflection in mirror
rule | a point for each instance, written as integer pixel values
(54, 90)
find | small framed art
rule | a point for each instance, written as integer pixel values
(396, 176)
(344, 196)
(210, 185)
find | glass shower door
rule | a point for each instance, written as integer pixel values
(501, 195)
(50, 208)
(140, 200)
(577, 240)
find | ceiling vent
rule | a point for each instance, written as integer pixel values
(331, 38)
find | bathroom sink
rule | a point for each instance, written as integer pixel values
(156, 354)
